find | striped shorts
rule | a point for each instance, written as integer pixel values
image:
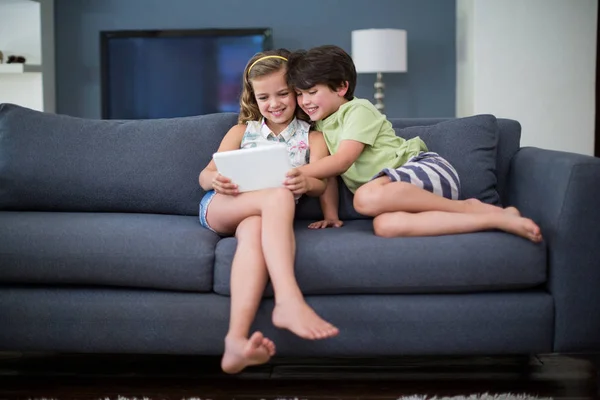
(430, 172)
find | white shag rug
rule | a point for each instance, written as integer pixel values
(484, 396)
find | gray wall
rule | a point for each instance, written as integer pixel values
(426, 90)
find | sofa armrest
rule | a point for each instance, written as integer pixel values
(561, 192)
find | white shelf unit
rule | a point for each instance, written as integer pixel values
(20, 68)
(27, 30)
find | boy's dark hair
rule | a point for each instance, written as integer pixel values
(328, 65)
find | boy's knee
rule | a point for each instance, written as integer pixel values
(385, 226)
(382, 227)
(365, 200)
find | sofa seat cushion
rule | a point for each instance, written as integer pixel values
(352, 259)
(107, 249)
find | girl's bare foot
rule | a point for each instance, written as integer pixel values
(523, 227)
(298, 317)
(241, 352)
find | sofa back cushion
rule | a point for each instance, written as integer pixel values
(470, 145)
(509, 142)
(51, 162)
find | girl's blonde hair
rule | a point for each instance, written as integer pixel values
(262, 64)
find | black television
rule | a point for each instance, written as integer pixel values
(148, 74)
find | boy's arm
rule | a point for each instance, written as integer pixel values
(329, 198)
(316, 186)
(299, 182)
(318, 150)
(361, 126)
(329, 204)
(335, 164)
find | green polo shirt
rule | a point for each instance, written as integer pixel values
(359, 120)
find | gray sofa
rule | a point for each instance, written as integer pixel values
(101, 250)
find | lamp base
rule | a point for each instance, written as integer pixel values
(379, 88)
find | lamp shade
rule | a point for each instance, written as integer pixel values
(379, 50)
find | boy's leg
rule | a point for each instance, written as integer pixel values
(248, 281)
(382, 195)
(277, 208)
(434, 223)
(402, 208)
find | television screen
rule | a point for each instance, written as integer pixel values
(176, 73)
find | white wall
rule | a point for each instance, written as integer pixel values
(533, 61)
(22, 23)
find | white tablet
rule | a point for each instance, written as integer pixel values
(257, 168)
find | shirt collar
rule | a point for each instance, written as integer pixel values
(286, 134)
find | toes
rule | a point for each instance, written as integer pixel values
(325, 332)
(256, 339)
(269, 346)
(316, 333)
(311, 334)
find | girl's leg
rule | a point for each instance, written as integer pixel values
(291, 311)
(248, 281)
(277, 208)
(382, 195)
(434, 223)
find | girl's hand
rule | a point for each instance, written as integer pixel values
(297, 182)
(223, 185)
(326, 223)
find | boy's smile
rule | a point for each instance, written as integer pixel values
(319, 102)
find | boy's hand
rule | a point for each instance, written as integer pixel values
(223, 185)
(326, 223)
(296, 181)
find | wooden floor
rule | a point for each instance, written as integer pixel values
(34, 376)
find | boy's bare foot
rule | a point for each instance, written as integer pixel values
(478, 207)
(523, 227)
(298, 317)
(475, 206)
(512, 211)
(241, 352)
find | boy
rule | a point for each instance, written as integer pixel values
(408, 190)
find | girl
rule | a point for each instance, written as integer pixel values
(262, 221)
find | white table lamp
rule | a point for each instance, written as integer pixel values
(378, 51)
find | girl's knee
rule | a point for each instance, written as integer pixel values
(249, 227)
(279, 196)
